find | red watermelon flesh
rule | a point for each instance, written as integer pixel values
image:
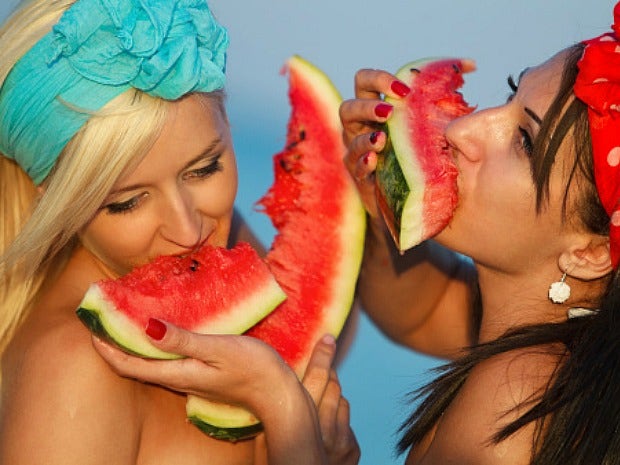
(416, 176)
(213, 290)
(317, 251)
(315, 256)
(320, 222)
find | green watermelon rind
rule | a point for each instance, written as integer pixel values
(353, 222)
(401, 181)
(325, 89)
(393, 189)
(235, 423)
(222, 421)
(343, 290)
(103, 319)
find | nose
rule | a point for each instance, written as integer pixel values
(182, 222)
(471, 134)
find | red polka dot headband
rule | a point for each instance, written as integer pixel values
(598, 85)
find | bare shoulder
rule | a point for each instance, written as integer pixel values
(451, 324)
(61, 402)
(496, 393)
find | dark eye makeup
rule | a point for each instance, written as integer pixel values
(213, 166)
(525, 143)
(125, 206)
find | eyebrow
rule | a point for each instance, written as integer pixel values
(525, 70)
(533, 115)
(209, 151)
(529, 111)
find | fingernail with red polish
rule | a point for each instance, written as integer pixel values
(399, 88)
(374, 137)
(366, 158)
(156, 329)
(383, 110)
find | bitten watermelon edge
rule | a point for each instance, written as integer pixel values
(416, 176)
(317, 252)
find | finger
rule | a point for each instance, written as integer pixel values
(363, 112)
(178, 374)
(209, 348)
(343, 446)
(359, 148)
(364, 169)
(260, 450)
(343, 416)
(362, 116)
(328, 410)
(173, 339)
(122, 363)
(371, 83)
(317, 373)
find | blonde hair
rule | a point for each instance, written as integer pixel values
(39, 231)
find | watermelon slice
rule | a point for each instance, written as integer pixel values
(317, 251)
(416, 176)
(321, 222)
(213, 290)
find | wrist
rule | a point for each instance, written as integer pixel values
(283, 398)
(291, 426)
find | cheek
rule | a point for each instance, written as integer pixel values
(122, 241)
(496, 205)
(216, 197)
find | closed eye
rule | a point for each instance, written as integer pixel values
(205, 171)
(526, 142)
(125, 206)
(513, 89)
(511, 83)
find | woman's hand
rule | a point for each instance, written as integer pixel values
(222, 368)
(363, 119)
(232, 369)
(321, 382)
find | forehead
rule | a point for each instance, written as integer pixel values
(539, 85)
(193, 126)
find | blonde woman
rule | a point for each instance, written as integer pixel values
(116, 149)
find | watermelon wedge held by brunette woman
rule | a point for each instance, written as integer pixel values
(317, 252)
(416, 175)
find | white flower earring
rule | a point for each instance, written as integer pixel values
(559, 291)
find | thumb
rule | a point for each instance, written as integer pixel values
(317, 374)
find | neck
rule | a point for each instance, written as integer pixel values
(511, 300)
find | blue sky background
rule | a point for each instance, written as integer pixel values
(341, 36)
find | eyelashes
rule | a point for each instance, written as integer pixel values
(525, 142)
(511, 83)
(513, 88)
(126, 206)
(205, 171)
(201, 173)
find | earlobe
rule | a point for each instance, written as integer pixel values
(590, 262)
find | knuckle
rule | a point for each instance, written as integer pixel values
(315, 378)
(180, 342)
(359, 75)
(343, 109)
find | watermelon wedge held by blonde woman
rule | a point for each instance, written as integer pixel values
(315, 256)
(320, 222)
(213, 290)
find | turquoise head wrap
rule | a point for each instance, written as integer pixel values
(98, 50)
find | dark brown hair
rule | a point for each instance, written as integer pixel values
(578, 416)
